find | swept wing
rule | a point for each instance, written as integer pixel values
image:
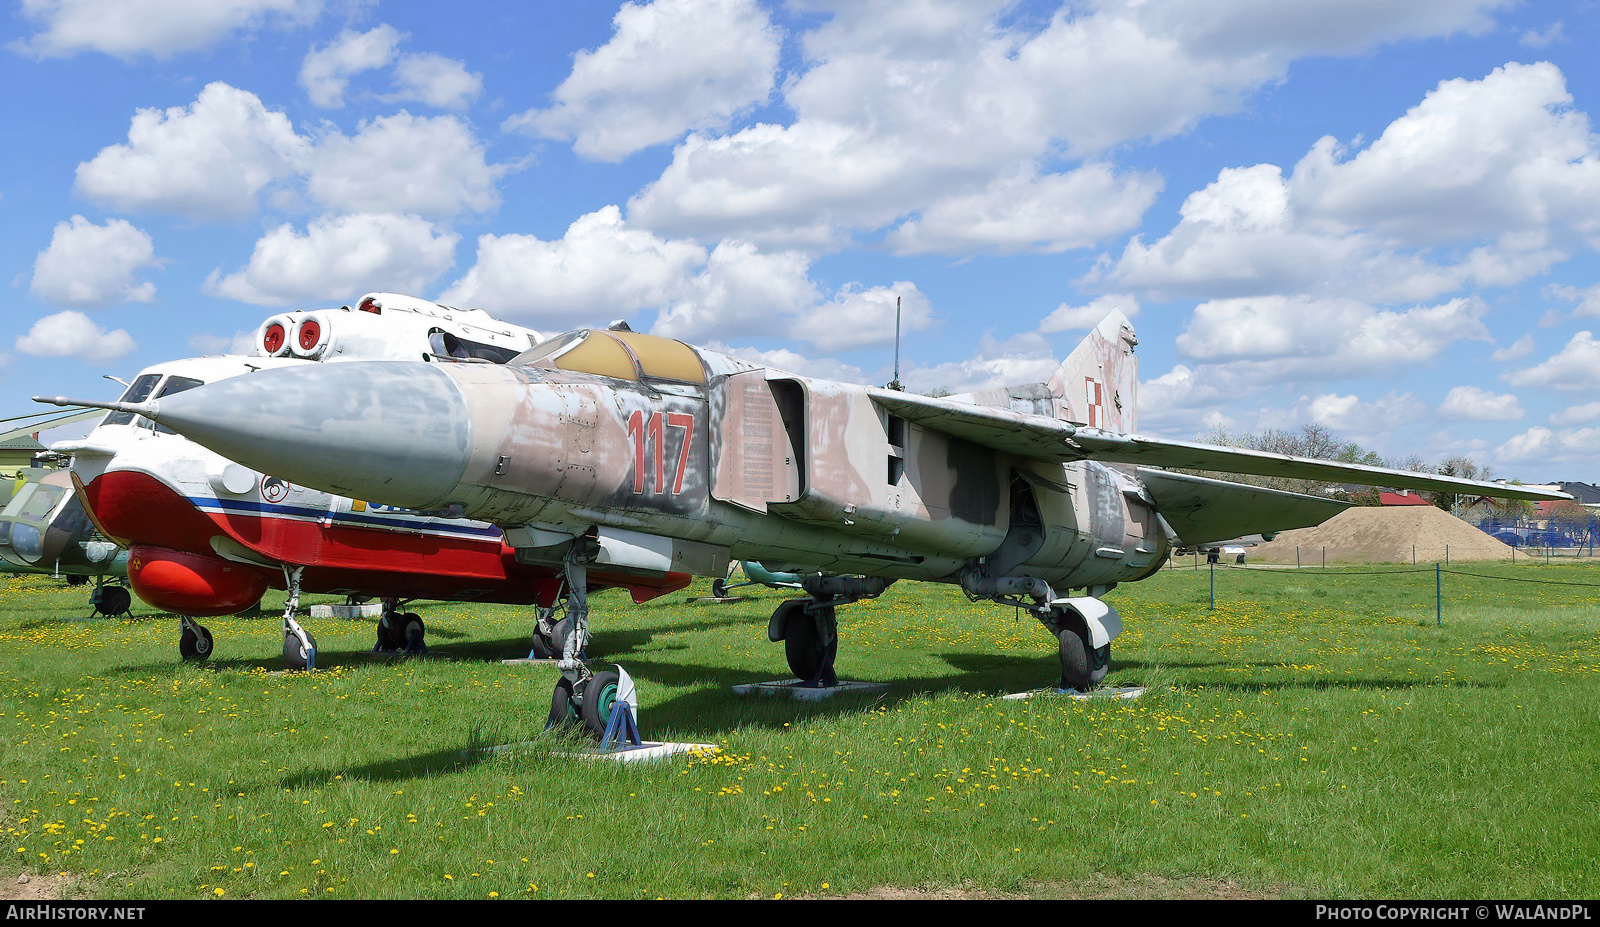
(1040, 438)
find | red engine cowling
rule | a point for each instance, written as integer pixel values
(193, 584)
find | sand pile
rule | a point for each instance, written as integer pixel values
(1384, 534)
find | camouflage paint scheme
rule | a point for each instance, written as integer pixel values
(732, 460)
(614, 449)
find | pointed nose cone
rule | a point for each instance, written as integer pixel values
(389, 432)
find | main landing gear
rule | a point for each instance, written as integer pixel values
(550, 633)
(109, 599)
(809, 627)
(1083, 626)
(400, 631)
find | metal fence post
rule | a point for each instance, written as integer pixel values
(1439, 596)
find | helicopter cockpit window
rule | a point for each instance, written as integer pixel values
(444, 344)
(176, 384)
(138, 392)
(42, 500)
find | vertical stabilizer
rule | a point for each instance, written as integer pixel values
(1098, 384)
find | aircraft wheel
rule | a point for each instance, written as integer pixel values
(192, 646)
(412, 631)
(809, 658)
(111, 600)
(558, 637)
(599, 697)
(388, 638)
(800, 643)
(1074, 660)
(549, 646)
(1099, 664)
(719, 589)
(563, 707)
(294, 656)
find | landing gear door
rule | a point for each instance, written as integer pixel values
(759, 431)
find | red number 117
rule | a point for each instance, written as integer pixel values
(654, 435)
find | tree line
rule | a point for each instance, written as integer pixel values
(1317, 441)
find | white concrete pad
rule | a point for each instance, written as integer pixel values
(793, 689)
(627, 754)
(370, 610)
(1107, 692)
(529, 661)
(645, 751)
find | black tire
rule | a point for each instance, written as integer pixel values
(719, 589)
(1074, 653)
(111, 600)
(412, 633)
(558, 637)
(810, 659)
(801, 644)
(563, 707)
(387, 640)
(195, 647)
(599, 698)
(292, 658)
(541, 645)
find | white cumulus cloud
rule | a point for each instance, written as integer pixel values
(73, 334)
(435, 80)
(327, 70)
(94, 265)
(739, 291)
(1081, 318)
(1021, 211)
(338, 257)
(931, 107)
(1575, 367)
(859, 317)
(1307, 337)
(207, 161)
(1551, 447)
(599, 270)
(673, 66)
(430, 166)
(1500, 169)
(1469, 403)
(160, 28)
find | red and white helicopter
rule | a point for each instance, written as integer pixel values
(206, 536)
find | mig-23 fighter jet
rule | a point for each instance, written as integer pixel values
(607, 449)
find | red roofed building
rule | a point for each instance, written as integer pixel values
(1402, 497)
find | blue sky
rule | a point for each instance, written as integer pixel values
(1381, 216)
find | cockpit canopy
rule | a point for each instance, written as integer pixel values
(142, 389)
(622, 355)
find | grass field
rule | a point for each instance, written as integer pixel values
(1317, 734)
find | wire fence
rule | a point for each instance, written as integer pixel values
(1342, 570)
(1334, 555)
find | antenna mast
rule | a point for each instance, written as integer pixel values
(895, 383)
